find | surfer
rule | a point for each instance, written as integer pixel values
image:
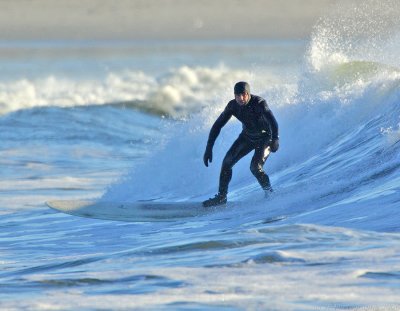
(259, 133)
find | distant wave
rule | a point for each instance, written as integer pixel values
(179, 92)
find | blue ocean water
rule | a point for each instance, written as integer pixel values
(128, 121)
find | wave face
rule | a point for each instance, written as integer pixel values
(339, 128)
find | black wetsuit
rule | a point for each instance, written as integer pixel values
(259, 130)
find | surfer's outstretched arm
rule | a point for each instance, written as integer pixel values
(214, 132)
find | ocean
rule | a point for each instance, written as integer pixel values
(128, 120)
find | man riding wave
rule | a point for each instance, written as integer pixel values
(259, 133)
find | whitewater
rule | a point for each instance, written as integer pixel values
(129, 121)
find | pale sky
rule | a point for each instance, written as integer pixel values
(159, 19)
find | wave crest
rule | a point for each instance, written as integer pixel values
(177, 93)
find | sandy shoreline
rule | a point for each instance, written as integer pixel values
(159, 19)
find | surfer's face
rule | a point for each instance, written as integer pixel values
(242, 99)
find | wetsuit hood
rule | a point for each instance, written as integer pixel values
(242, 87)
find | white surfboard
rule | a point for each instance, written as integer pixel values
(132, 211)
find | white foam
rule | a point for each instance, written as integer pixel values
(177, 92)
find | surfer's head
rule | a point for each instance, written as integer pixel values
(242, 92)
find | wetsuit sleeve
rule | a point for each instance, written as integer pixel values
(270, 118)
(218, 125)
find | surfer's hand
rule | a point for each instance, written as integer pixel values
(207, 156)
(274, 145)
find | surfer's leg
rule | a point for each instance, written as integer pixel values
(238, 150)
(261, 154)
